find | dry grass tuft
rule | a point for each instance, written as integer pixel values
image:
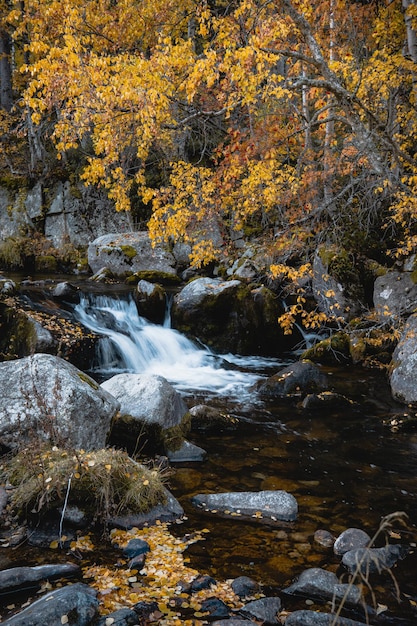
(104, 482)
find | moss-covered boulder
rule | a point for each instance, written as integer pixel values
(230, 316)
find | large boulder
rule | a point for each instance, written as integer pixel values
(404, 364)
(46, 396)
(131, 253)
(395, 294)
(230, 316)
(150, 408)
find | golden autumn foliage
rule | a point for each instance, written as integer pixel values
(292, 120)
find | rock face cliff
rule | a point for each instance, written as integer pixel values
(64, 213)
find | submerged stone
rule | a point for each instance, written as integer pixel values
(270, 506)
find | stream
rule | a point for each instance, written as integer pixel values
(344, 466)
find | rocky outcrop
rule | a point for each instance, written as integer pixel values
(131, 253)
(44, 395)
(65, 213)
(24, 577)
(230, 316)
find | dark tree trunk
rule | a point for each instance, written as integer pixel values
(6, 92)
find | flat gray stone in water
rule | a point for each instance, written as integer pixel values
(351, 539)
(188, 452)
(262, 505)
(319, 583)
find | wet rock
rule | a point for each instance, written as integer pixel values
(243, 586)
(202, 581)
(188, 452)
(319, 583)
(135, 547)
(230, 316)
(351, 539)
(103, 275)
(333, 350)
(207, 417)
(130, 253)
(404, 363)
(122, 617)
(374, 560)
(146, 611)
(311, 618)
(324, 538)
(79, 601)
(45, 395)
(170, 511)
(7, 287)
(337, 285)
(262, 506)
(235, 622)
(215, 608)
(298, 378)
(17, 578)
(151, 301)
(266, 610)
(66, 292)
(326, 400)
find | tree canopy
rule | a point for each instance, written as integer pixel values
(291, 119)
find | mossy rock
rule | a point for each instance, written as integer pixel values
(153, 276)
(46, 263)
(128, 251)
(331, 351)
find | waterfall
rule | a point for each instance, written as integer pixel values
(131, 343)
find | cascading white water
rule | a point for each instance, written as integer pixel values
(131, 343)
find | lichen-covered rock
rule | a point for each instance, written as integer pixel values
(129, 253)
(312, 618)
(46, 396)
(395, 293)
(404, 365)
